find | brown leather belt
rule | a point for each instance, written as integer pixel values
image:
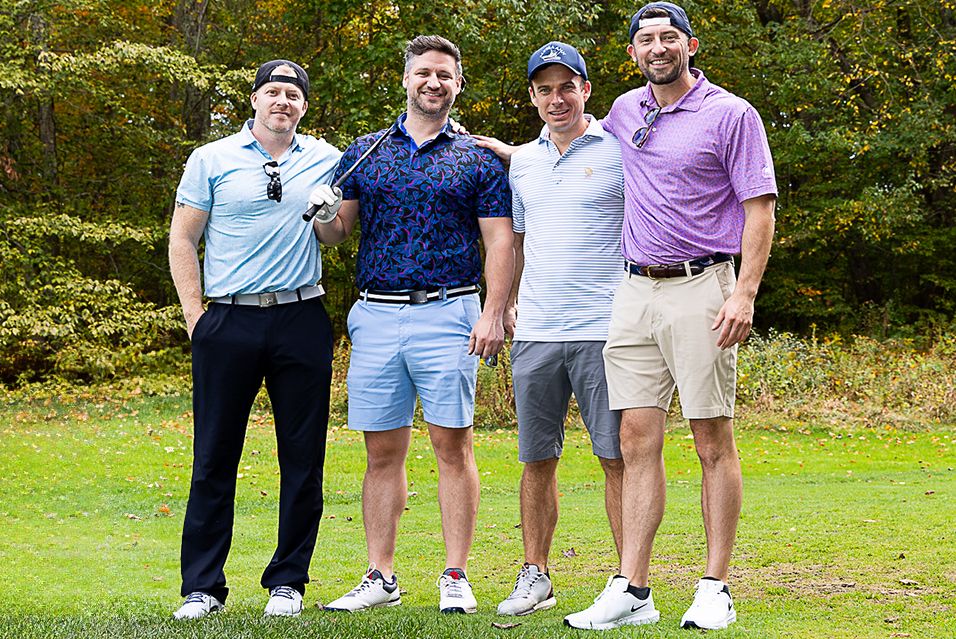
(680, 269)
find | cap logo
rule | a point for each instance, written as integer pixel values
(652, 22)
(552, 54)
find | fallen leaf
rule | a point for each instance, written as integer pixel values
(263, 493)
(891, 620)
(902, 556)
(132, 516)
(909, 582)
(569, 552)
(165, 509)
(504, 626)
(930, 492)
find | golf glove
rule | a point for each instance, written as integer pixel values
(329, 200)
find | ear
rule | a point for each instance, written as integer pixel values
(253, 99)
(405, 80)
(692, 46)
(534, 98)
(586, 90)
(632, 52)
(305, 106)
(460, 83)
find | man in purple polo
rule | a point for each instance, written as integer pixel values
(699, 188)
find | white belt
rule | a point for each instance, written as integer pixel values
(272, 299)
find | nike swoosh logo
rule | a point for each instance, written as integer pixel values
(636, 608)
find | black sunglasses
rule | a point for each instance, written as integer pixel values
(641, 135)
(274, 188)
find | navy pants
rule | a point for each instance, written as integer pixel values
(234, 349)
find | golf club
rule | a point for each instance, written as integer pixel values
(314, 208)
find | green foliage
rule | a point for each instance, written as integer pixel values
(103, 100)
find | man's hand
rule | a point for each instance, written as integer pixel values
(487, 336)
(329, 200)
(191, 320)
(734, 320)
(511, 319)
(499, 148)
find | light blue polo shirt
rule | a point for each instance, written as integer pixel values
(254, 244)
(570, 208)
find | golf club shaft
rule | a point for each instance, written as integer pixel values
(314, 208)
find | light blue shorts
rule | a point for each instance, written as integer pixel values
(403, 350)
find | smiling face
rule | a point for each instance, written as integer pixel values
(662, 52)
(279, 105)
(432, 83)
(560, 95)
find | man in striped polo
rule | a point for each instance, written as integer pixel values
(568, 208)
(700, 188)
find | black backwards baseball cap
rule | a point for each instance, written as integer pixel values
(557, 53)
(677, 17)
(266, 74)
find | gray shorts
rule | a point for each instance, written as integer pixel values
(545, 374)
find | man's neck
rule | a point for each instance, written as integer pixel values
(275, 144)
(563, 139)
(666, 94)
(422, 128)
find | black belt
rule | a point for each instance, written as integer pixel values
(416, 297)
(680, 269)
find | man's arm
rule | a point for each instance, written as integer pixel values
(488, 334)
(335, 231)
(184, 233)
(511, 309)
(736, 315)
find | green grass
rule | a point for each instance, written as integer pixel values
(843, 533)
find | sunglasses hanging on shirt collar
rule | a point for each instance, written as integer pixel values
(274, 188)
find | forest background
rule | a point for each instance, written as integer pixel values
(102, 102)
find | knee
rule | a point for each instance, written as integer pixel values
(641, 445)
(613, 468)
(454, 455)
(714, 442)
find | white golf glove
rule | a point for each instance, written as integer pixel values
(329, 200)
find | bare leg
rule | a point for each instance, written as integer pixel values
(643, 490)
(722, 489)
(539, 510)
(458, 491)
(613, 479)
(384, 493)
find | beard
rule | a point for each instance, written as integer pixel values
(663, 76)
(417, 104)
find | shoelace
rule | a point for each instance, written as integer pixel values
(195, 597)
(452, 586)
(523, 583)
(283, 591)
(365, 584)
(606, 589)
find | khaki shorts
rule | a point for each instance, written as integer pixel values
(660, 337)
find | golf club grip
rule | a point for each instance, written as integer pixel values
(314, 208)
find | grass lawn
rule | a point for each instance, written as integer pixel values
(843, 534)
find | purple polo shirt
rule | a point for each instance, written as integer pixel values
(705, 155)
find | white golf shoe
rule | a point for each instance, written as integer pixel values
(198, 605)
(372, 592)
(454, 593)
(615, 607)
(712, 608)
(532, 592)
(284, 601)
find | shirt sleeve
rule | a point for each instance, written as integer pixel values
(195, 187)
(350, 190)
(748, 160)
(517, 206)
(493, 195)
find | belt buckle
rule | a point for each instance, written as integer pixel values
(647, 270)
(267, 299)
(417, 297)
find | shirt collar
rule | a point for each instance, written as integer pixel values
(690, 101)
(400, 127)
(594, 130)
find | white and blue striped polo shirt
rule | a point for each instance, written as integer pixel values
(570, 208)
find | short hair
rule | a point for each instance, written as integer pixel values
(424, 43)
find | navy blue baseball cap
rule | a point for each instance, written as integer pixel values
(557, 53)
(266, 73)
(676, 17)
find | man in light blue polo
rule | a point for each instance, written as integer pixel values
(265, 321)
(568, 207)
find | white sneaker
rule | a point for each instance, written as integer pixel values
(532, 592)
(372, 592)
(712, 608)
(455, 595)
(198, 605)
(615, 607)
(284, 601)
